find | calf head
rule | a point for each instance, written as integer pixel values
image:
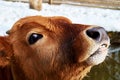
(53, 48)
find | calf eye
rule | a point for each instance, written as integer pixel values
(34, 38)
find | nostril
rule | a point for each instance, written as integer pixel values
(99, 35)
(94, 34)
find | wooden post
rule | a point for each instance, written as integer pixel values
(35, 4)
(50, 1)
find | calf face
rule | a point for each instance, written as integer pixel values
(53, 48)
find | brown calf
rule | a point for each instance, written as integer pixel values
(51, 48)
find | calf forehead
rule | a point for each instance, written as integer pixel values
(45, 21)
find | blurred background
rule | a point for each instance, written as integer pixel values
(105, 13)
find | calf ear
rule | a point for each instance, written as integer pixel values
(5, 52)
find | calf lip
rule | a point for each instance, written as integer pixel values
(102, 47)
(99, 55)
(99, 50)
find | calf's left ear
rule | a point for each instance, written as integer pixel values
(5, 51)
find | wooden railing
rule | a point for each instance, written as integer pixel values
(113, 4)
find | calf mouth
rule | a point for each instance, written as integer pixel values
(99, 55)
(102, 48)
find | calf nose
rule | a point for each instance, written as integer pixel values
(98, 34)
